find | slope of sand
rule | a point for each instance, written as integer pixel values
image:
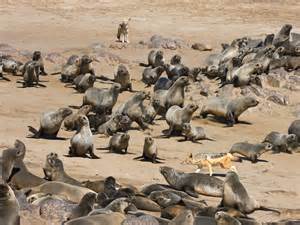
(72, 25)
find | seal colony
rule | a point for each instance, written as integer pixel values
(243, 66)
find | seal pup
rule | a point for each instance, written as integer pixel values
(117, 122)
(82, 141)
(250, 151)
(163, 83)
(83, 82)
(123, 31)
(193, 183)
(149, 114)
(71, 121)
(150, 151)
(223, 218)
(194, 134)
(102, 100)
(57, 171)
(114, 218)
(66, 191)
(228, 109)
(86, 65)
(119, 142)
(48, 165)
(23, 178)
(31, 75)
(151, 75)
(283, 36)
(50, 123)
(155, 59)
(100, 186)
(236, 196)
(37, 56)
(117, 205)
(294, 128)
(83, 208)
(122, 77)
(185, 218)
(164, 99)
(71, 69)
(280, 142)
(209, 160)
(177, 116)
(9, 206)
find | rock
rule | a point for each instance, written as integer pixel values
(118, 45)
(158, 41)
(201, 47)
(278, 99)
(273, 81)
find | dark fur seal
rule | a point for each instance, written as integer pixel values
(122, 77)
(151, 75)
(280, 142)
(155, 59)
(50, 123)
(283, 36)
(163, 83)
(82, 141)
(228, 109)
(193, 183)
(294, 128)
(117, 122)
(250, 151)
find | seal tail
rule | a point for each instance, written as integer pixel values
(263, 208)
(143, 64)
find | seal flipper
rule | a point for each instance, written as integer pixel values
(190, 191)
(263, 208)
(36, 133)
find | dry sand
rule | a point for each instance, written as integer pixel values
(57, 25)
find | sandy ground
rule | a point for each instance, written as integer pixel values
(56, 25)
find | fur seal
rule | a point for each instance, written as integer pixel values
(236, 196)
(101, 185)
(176, 59)
(280, 142)
(134, 108)
(9, 206)
(176, 71)
(163, 83)
(155, 59)
(84, 207)
(71, 69)
(102, 219)
(193, 183)
(144, 219)
(50, 123)
(83, 82)
(151, 75)
(117, 122)
(68, 192)
(102, 100)
(149, 114)
(37, 56)
(117, 205)
(71, 121)
(177, 116)
(228, 109)
(82, 141)
(23, 178)
(150, 151)
(223, 218)
(31, 74)
(86, 66)
(294, 128)
(119, 142)
(10, 65)
(122, 77)
(144, 203)
(56, 172)
(250, 151)
(283, 36)
(194, 133)
(167, 98)
(185, 218)
(51, 157)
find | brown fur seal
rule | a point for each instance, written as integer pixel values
(193, 183)
(101, 219)
(280, 142)
(176, 71)
(164, 99)
(71, 121)
(150, 151)
(250, 151)
(10, 65)
(177, 116)
(185, 218)
(155, 59)
(144, 203)
(50, 123)
(117, 205)
(86, 66)
(23, 178)
(149, 114)
(68, 192)
(140, 220)
(283, 36)
(37, 56)
(83, 208)
(222, 218)
(194, 133)
(117, 122)
(134, 108)
(31, 74)
(100, 185)
(9, 206)
(56, 171)
(71, 69)
(50, 158)
(163, 83)
(83, 82)
(82, 141)
(102, 100)
(294, 128)
(236, 196)
(119, 142)
(122, 77)
(151, 75)
(228, 109)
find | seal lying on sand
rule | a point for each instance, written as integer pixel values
(50, 123)
(228, 109)
(280, 142)
(193, 183)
